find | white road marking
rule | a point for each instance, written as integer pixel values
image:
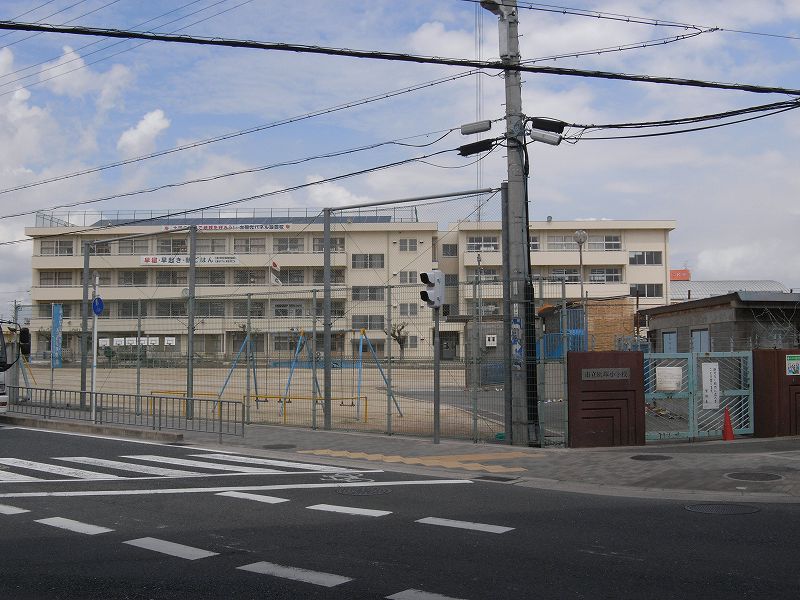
(57, 469)
(117, 439)
(199, 463)
(171, 548)
(75, 526)
(256, 497)
(418, 595)
(9, 476)
(465, 525)
(350, 510)
(296, 574)
(273, 463)
(126, 466)
(5, 509)
(214, 490)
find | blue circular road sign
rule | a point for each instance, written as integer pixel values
(97, 306)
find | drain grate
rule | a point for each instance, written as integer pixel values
(754, 476)
(279, 446)
(723, 509)
(650, 457)
(362, 491)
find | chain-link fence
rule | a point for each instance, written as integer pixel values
(265, 350)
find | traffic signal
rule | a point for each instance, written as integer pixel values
(25, 341)
(433, 294)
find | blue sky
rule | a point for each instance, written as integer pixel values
(733, 191)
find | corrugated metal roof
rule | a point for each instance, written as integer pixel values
(679, 290)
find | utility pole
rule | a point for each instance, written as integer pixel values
(524, 398)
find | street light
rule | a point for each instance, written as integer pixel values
(580, 238)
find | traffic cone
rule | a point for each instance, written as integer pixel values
(727, 428)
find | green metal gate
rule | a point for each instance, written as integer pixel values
(685, 400)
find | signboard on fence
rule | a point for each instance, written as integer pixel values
(669, 379)
(710, 385)
(56, 337)
(793, 364)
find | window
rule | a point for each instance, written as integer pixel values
(606, 243)
(533, 243)
(669, 341)
(408, 277)
(55, 278)
(337, 308)
(451, 279)
(605, 275)
(362, 292)
(367, 261)
(486, 274)
(646, 257)
(256, 308)
(281, 342)
(449, 249)
(483, 243)
(291, 276)
(170, 308)
(133, 247)
(408, 309)
(104, 278)
(337, 244)
(647, 290)
(408, 245)
(171, 278)
(127, 309)
(250, 277)
(434, 248)
(172, 246)
(337, 275)
(368, 322)
(561, 243)
(46, 311)
(207, 344)
(287, 309)
(288, 245)
(412, 341)
(211, 245)
(210, 277)
(131, 278)
(56, 248)
(250, 245)
(569, 275)
(209, 308)
(100, 248)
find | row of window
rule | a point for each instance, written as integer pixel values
(129, 309)
(207, 245)
(204, 277)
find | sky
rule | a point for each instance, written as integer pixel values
(70, 103)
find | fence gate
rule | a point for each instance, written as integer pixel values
(681, 394)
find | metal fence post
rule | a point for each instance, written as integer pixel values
(139, 356)
(475, 343)
(190, 320)
(564, 349)
(389, 360)
(249, 357)
(314, 359)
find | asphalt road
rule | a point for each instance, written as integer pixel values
(319, 531)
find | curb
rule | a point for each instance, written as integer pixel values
(108, 430)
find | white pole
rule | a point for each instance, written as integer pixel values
(94, 345)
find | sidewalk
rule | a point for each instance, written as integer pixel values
(754, 470)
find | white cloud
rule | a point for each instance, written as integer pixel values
(69, 75)
(141, 139)
(327, 195)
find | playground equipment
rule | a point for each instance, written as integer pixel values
(247, 343)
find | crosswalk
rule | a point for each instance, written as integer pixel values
(149, 466)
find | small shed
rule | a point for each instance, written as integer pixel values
(727, 323)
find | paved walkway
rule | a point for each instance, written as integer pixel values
(755, 470)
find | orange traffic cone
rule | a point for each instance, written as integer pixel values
(727, 428)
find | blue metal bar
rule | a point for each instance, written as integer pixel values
(385, 380)
(297, 350)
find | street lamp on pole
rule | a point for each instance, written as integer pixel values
(580, 238)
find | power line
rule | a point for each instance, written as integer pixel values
(242, 132)
(393, 56)
(246, 198)
(398, 142)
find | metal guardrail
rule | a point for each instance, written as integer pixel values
(206, 415)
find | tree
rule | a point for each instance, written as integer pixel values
(398, 336)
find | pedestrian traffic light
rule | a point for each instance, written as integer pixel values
(433, 294)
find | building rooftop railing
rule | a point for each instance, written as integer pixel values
(239, 216)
